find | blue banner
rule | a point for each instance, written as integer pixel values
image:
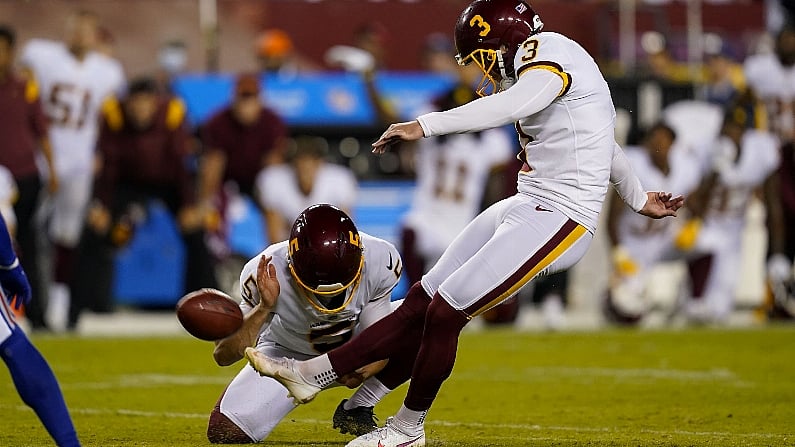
(316, 99)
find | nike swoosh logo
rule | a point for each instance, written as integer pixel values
(403, 444)
(539, 208)
(389, 266)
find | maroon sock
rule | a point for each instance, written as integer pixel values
(699, 270)
(64, 263)
(436, 356)
(392, 334)
(398, 370)
(413, 264)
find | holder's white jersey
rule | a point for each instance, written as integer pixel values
(568, 145)
(451, 177)
(298, 326)
(277, 189)
(72, 93)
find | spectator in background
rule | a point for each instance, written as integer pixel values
(771, 76)
(24, 134)
(276, 54)
(367, 56)
(143, 146)
(284, 190)
(660, 64)
(741, 160)
(723, 79)
(172, 56)
(239, 142)
(74, 81)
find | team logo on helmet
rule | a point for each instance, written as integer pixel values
(325, 257)
(489, 33)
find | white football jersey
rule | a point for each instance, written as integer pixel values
(298, 326)
(8, 195)
(568, 145)
(72, 93)
(683, 176)
(452, 172)
(758, 158)
(775, 85)
(277, 189)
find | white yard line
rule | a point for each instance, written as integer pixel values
(432, 423)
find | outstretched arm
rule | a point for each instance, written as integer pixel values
(651, 204)
(533, 92)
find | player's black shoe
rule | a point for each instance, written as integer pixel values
(356, 421)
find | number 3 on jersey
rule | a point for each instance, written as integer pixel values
(531, 47)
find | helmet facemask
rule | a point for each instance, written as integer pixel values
(492, 64)
(324, 294)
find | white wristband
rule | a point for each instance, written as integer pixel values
(12, 266)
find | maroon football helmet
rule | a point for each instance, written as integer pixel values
(489, 33)
(325, 254)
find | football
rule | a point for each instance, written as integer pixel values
(209, 314)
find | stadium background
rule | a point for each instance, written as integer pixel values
(220, 38)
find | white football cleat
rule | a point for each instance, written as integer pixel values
(283, 370)
(388, 436)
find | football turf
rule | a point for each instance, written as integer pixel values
(699, 387)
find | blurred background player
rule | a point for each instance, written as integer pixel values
(8, 195)
(239, 141)
(301, 298)
(24, 131)
(771, 76)
(74, 80)
(367, 56)
(724, 79)
(284, 190)
(144, 149)
(638, 244)
(32, 376)
(452, 170)
(742, 159)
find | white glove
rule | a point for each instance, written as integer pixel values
(779, 268)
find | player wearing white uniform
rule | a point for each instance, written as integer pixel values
(284, 190)
(772, 77)
(742, 159)
(301, 298)
(74, 82)
(452, 172)
(8, 195)
(566, 120)
(662, 163)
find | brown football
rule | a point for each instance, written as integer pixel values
(209, 314)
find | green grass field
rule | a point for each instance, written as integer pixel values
(679, 388)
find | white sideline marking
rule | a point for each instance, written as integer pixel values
(478, 425)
